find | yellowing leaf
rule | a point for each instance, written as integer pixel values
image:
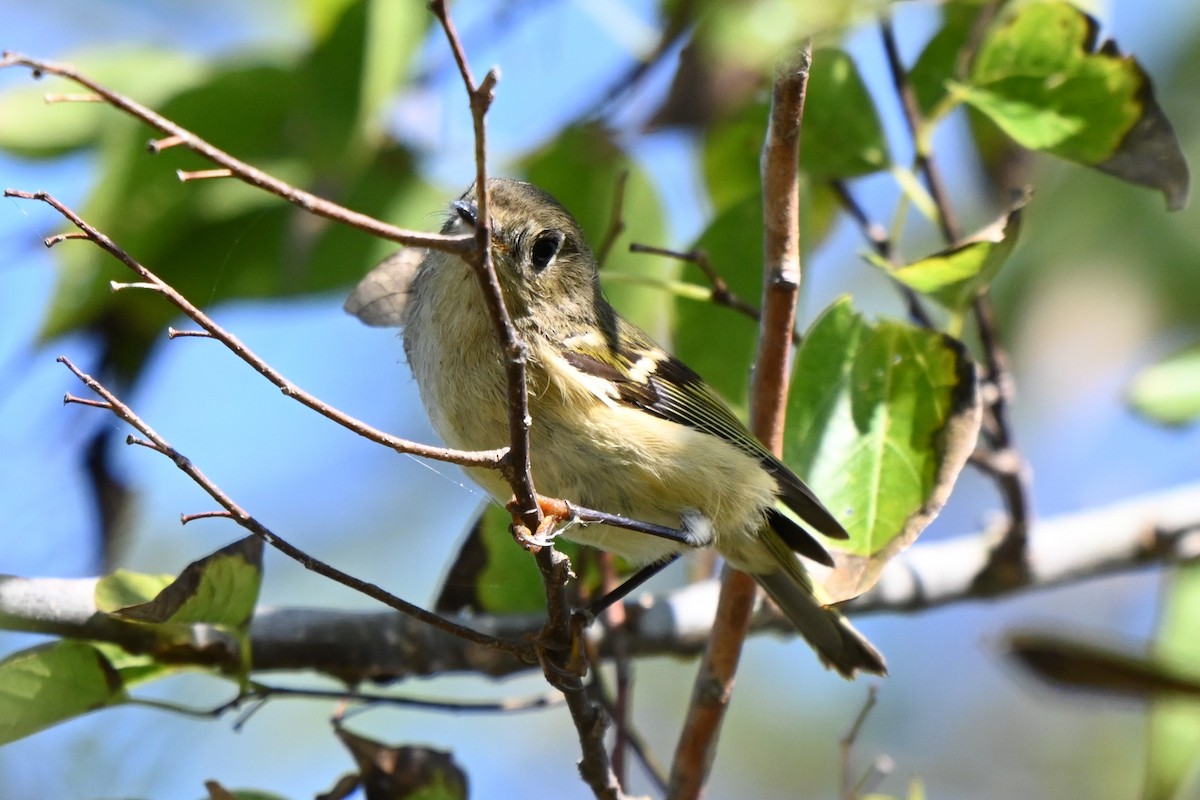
(954, 277)
(219, 589)
(125, 588)
(1041, 79)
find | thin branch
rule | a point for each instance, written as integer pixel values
(461, 245)
(1010, 470)
(184, 519)
(516, 467)
(616, 221)
(484, 458)
(720, 292)
(633, 739)
(696, 750)
(877, 236)
(261, 691)
(1009, 563)
(847, 743)
(243, 518)
(947, 219)
(559, 643)
(618, 707)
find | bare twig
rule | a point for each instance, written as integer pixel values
(257, 694)
(947, 219)
(184, 519)
(174, 333)
(847, 743)
(877, 236)
(781, 284)
(261, 691)
(625, 728)
(461, 245)
(616, 220)
(243, 518)
(618, 706)
(720, 293)
(559, 642)
(484, 458)
(516, 466)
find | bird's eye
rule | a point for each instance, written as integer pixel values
(545, 248)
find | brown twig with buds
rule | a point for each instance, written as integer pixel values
(151, 282)
(158, 444)
(559, 643)
(176, 135)
(781, 286)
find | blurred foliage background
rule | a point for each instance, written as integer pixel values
(360, 102)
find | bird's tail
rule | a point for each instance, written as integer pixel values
(836, 641)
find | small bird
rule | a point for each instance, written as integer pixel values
(619, 425)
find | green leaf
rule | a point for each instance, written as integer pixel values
(841, 134)
(956, 276)
(1040, 78)
(491, 573)
(731, 151)
(757, 35)
(582, 168)
(351, 74)
(881, 419)
(125, 588)
(730, 156)
(1173, 752)
(136, 668)
(46, 685)
(939, 62)
(219, 589)
(1169, 391)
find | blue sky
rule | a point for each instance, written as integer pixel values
(340, 497)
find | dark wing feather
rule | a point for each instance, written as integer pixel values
(672, 391)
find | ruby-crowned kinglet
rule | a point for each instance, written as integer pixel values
(618, 424)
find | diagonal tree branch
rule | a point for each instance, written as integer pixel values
(155, 442)
(150, 281)
(177, 135)
(1155, 529)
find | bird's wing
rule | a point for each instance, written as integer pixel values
(644, 376)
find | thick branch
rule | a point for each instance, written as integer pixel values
(1153, 529)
